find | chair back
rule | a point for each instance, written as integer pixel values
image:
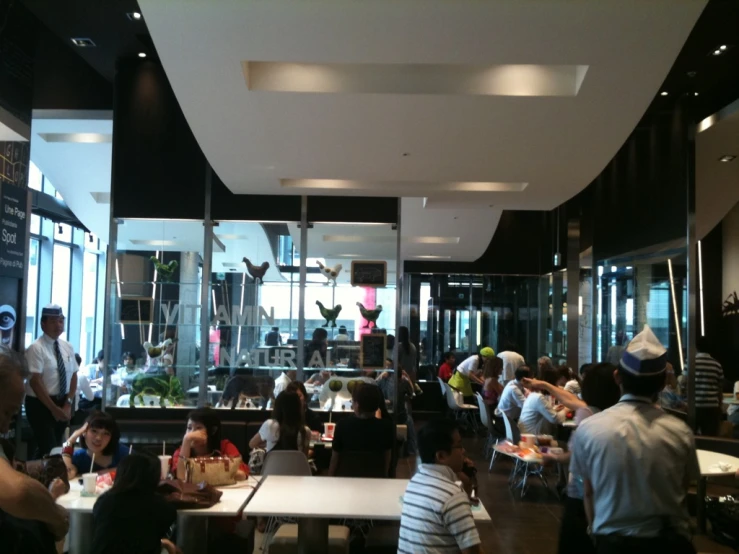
(286, 462)
(512, 432)
(362, 464)
(484, 414)
(450, 400)
(442, 384)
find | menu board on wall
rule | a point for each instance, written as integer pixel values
(372, 351)
(369, 274)
(14, 205)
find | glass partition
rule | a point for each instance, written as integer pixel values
(154, 321)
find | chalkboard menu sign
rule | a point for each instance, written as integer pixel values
(136, 309)
(372, 351)
(13, 231)
(369, 274)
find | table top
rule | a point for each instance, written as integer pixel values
(730, 399)
(333, 497)
(233, 500)
(708, 462)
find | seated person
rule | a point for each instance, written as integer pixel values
(572, 383)
(669, 397)
(87, 398)
(539, 415)
(131, 516)
(436, 514)
(99, 436)
(491, 387)
(312, 421)
(514, 395)
(203, 438)
(733, 411)
(363, 433)
(286, 430)
(446, 369)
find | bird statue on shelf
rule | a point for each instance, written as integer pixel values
(155, 351)
(329, 315)
(330, 273)
(165, 272)
(370, 315)
(257, 272)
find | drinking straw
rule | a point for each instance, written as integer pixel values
(130, 449)
(164, 448)
(330, 411)
(92, 462)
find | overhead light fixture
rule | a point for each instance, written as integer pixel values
(432, 240)
(134, 16)
(727, 158)
(722, 47)
(81, 138)
(664, 93)
(142, 54)
(432, 257)
(717, 52)
(695, 94)
(83, 42)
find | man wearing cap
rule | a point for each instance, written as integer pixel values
(52, 387)
(636, 461)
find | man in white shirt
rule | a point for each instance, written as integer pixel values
(283, 381)
(514, 395)
(52, 386)
(20, 496)
(512, 360)
(539, 415)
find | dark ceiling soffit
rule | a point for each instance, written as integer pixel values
(54, 209)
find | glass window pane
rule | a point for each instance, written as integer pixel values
(63, 232)
(89, 302)
(34, 177)
(32, 296)
(48, 187)
(35, 224)
(60, 278)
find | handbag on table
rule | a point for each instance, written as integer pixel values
(215, 471)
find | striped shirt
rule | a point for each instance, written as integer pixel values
(709, 376)
(436, 518)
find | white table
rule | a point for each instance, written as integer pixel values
(315, 500)
(191, 524)
(708, 462)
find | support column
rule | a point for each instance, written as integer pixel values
(189, 320)
(573, 293)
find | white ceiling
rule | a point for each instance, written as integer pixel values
(716, 183)
(397, 141)
(11, 128)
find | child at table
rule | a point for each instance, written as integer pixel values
(131, 516)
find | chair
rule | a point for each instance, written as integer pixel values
(512, 435)
(443, 386)
(286, 462)
(487, 423)
(464, 412)
(362, 464)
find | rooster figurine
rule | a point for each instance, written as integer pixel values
(370, 315)
(330, 273)
(256, 271)
(329, 315)
(165, 272)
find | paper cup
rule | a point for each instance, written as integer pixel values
(328, 430)
(528, 439)
(89, 482)
(556, 451)
(164, 461)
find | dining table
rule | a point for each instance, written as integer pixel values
(192, 525)
(313, 501)
(711, 464)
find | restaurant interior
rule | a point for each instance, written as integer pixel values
(228, 197)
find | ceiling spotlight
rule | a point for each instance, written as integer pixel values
(664, 93)
(727, 158)
(134, 16)
(717, 52)
(695, 94)
(722, 47)
(142, 54)
(83, 42)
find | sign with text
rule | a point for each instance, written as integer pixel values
(372, 351)
(369, 274)
(14, 204)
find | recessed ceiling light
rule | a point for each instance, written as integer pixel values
(717, 52)
(430, 257)
(83, 42)
(664, 93)
(134, 16)
(695, 94)
(727, 158)
(142, 54)
(722, 47)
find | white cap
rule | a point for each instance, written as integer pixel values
(52, 310)
(644, 355)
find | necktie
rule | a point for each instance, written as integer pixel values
(61, 369)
